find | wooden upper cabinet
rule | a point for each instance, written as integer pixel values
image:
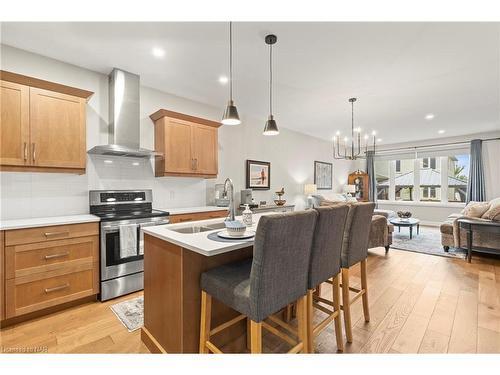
(188, 145)
(43, 125)
(204, 145)
(57, 129)
(15, 129)
(178, 143)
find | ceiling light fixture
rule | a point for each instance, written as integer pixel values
(223, 80)
(441, 131)
(231, 116)
(271, 128)
(350, 151)
(158, 52)
(429, 116)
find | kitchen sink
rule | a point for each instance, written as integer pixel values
(190, 229)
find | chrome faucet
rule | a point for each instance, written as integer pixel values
(229, 182)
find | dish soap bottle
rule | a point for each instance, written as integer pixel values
(247, 216)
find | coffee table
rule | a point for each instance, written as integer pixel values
(410, 223)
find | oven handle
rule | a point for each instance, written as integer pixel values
(115, 228)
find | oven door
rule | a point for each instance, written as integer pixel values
(114, 263)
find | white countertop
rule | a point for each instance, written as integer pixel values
(46, 221)
(198, 242)
(191, 210)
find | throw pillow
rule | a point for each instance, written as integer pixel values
(493, 212)
(476, 209)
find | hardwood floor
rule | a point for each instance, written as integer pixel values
(418, 304)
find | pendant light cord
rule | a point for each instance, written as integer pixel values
(271, 79)
(230, 61)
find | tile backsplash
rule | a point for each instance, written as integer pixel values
(25, 195)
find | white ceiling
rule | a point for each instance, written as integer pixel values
(399, 71)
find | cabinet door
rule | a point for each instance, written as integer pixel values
(178, 157)
(204, 141)
(15, 127)
(57, 129)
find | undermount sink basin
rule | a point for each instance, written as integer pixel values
(191, 229)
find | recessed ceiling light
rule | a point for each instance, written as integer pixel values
(135, 163)
(223, 80)
(429, 116)
(108, 161)
(158, 52)
(441, 131)
(379, 140)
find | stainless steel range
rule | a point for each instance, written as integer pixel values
(123, 213)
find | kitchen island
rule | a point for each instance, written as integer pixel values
(175, 256)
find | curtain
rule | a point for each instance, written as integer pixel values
(370, 168)
(476, 186)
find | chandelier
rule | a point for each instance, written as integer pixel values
(342, 150)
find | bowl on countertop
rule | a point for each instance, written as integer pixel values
(279, 202)
(235, 228)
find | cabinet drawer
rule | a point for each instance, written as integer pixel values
(27, 259)
(181, 218)
(50, 233)
(25, 296)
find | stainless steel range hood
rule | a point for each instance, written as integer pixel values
(124, 127)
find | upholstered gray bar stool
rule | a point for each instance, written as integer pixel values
(354, 251)
(325, 265)
(260, 287)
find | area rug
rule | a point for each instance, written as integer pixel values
(130, 313)
(428, 241)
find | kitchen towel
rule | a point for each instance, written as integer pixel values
(128, 240)
(141, 242)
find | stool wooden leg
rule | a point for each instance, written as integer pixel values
(255, 337)
(302, 322)
(364, 286)
(248, 334)
(287, 314)
(317, 291)
(309, 321)
(346, 304)
(206, 315)
(336, 307)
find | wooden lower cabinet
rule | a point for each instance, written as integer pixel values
(48, 266)
(181, 218)
(31, 293)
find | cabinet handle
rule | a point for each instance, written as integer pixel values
(25, 151)
(53, 256)
(34, 152)
(195, 164)
(192, 164)
(56, 288)
(56, 234)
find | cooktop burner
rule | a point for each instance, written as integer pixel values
(113, 205)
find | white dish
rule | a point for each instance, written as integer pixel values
(245, 235)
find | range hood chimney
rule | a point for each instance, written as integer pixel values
(124, 126)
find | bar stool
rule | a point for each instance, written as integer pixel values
(325, 264)
(354, 251)
(259, 287)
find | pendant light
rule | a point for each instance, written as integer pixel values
(271, 128)
(231, 116)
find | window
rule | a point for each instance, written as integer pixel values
(382, 169)
(458, 172)
(430, 193)
(404, 180)
(428, 179)
(429, 163)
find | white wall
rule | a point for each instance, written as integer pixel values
(47, 194)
